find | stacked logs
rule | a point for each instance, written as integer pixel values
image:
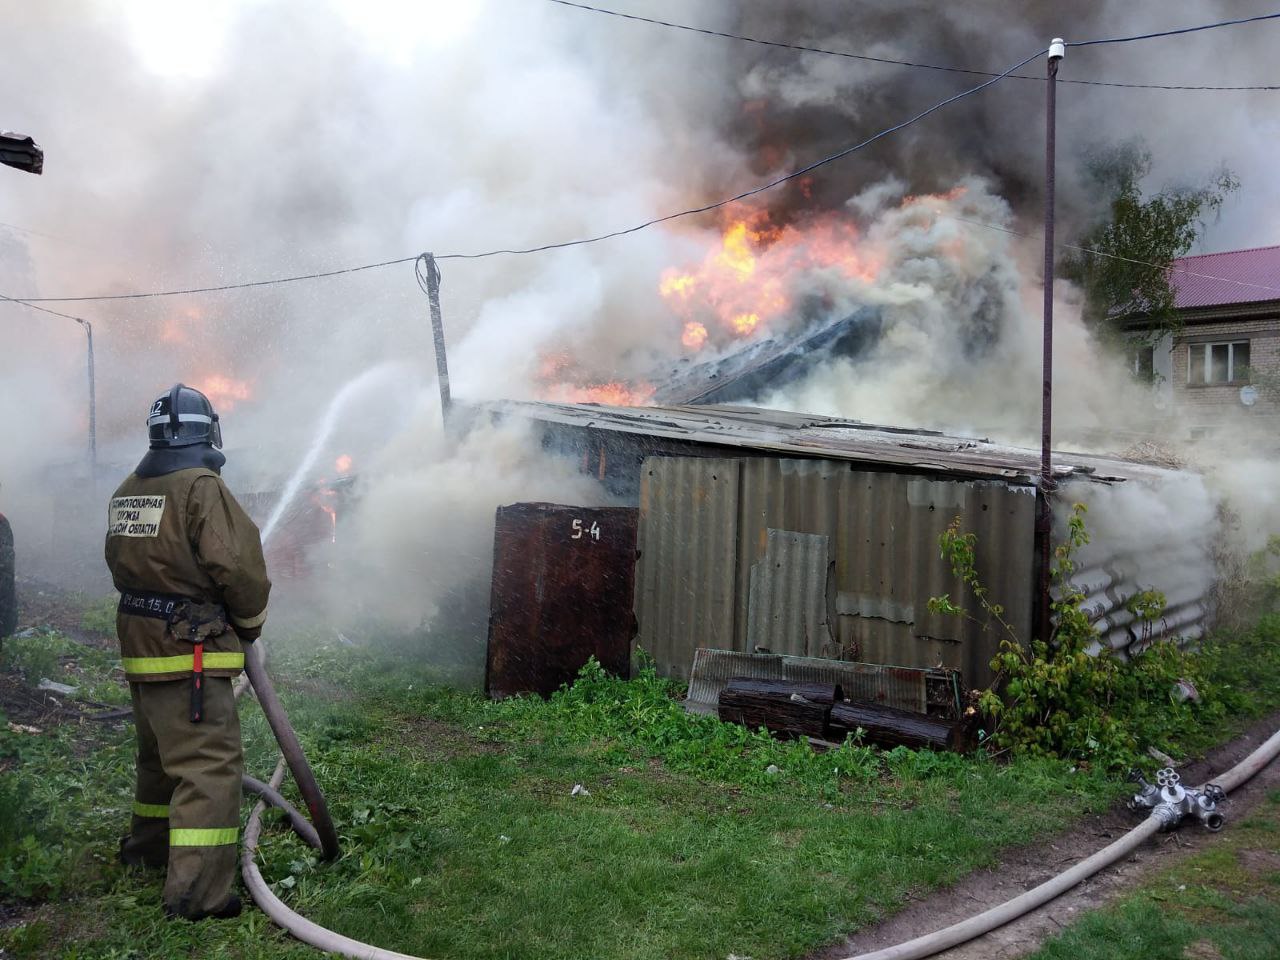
(820, 711)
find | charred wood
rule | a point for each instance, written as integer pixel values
(889, 726)
(783, 707)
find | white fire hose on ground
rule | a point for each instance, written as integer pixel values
(917, 949)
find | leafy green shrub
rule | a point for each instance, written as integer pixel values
(1069, 697)
(38, 655)
(32, 862)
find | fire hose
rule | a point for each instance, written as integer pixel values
(291, 753)
(917, 949)
(319, 833)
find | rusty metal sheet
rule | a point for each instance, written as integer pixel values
(563, 584)
(780, 433)
(907, 688)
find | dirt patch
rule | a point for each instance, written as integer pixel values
(1202, 950)
(17, 913)
(25, 705)
(1260, 863)
(43, 605)
(1027, 867)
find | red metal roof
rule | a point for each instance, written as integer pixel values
(1234, 276)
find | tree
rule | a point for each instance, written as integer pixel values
(1123, 266)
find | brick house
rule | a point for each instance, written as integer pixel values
(1223, 366)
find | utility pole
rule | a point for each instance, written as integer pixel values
(429, 280)
(1044, 507)
(93, 405)
(92, 371)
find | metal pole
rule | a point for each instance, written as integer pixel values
(93, 404)
(1044, 508)
(429, 279)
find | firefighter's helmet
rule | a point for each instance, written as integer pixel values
(183, 417)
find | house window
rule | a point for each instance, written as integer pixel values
(1144, 363)
(1218, 362)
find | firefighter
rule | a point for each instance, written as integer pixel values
(193, 585)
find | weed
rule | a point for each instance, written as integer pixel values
(100, 616)
(1069, 698)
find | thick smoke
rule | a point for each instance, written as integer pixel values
(319, 135)
(421, 536)
(807, 106)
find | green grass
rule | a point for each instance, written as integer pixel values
(1223, 902)
(461, 838)
(46, 654)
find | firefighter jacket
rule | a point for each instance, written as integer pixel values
(182, 536)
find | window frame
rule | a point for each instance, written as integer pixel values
(1234, 377)
(1137, 355)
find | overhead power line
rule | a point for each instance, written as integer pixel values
(915, 63)
(762, 187)
(580, 241)
(514, 251)
(225, 286)
(1177, 32)
(56, 313)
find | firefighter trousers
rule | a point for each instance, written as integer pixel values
(186, 810)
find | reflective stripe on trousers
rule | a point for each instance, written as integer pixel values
(157, 810)
(203, 836)
(154, 665)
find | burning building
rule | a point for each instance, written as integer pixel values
(813, 537)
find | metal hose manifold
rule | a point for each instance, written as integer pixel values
(1169, 802)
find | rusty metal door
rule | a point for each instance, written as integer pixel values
(563, 586)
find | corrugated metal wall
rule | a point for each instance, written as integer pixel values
(685, 574)
(706, 529)
(1145, 535)
(789, 608)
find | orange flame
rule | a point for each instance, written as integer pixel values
(695, 335)
(343, 464)
(223, 392)
(613, 394)
(175, 328)
(746, 280)
(322, 500)
(563, 382)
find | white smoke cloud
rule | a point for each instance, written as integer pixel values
(298, 137)
(961, 348)
(420, 544)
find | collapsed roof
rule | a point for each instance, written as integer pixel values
(768, 364)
